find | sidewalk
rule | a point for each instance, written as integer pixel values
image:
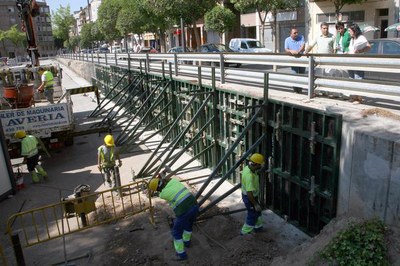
(77, 164)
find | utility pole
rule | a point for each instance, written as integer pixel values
(183, 35)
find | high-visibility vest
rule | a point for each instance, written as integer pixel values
(107, 156)
(29, 146)
(250, 182)
(178, 196)
(49, 79)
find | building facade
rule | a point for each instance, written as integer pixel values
(9, 16)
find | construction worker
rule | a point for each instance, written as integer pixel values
(106, 157)
(184, 205)
(47, 86)
(250, 194)
(30, 152)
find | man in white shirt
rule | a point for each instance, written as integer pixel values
(324, 44)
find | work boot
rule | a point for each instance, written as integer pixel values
(35, 177)
(41, 171)
(181, 256)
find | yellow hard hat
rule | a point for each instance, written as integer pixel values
(20, 134)
(257, 158)
(153, 185)
(109, 140)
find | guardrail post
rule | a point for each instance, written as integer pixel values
(19, 255)
(176, 64)
(105, 55)
(222, 67)
(129, 62)
(147, 67)
(311, 72)
(115, 57)
(81, 215)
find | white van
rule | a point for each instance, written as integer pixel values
(247, 45)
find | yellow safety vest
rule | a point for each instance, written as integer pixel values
(49, 79)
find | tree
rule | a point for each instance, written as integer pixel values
(107, 18)
(131, 19)
(339, 4)
(263, 7)
(18, 38)
(220, 19)
(62, 24)
(3, 37)
(86, 37)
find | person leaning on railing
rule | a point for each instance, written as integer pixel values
(358, 45)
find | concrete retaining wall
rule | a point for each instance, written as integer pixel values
(369, 181)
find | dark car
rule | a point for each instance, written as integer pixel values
(217, 48)
(384, 47)
(179, 49)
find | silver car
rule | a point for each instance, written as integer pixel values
(390, 47)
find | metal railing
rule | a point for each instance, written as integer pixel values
(281, 77)
(78, 214)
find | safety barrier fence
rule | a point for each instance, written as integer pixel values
(76, 214)
(220, 128)
(382, 74)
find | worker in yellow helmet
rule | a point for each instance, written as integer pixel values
(185, 206)
(47, 85)
(30, 152)
(106, 157)
(250, 194)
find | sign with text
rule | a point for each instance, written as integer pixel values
(35, 118)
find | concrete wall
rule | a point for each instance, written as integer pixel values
(369, 181)
(83, 69)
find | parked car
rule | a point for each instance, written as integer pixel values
(148, 49)
(247, 45)
(384, 47)
(217, 48)
(104, 50)
(179, 49)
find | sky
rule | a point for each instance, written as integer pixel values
(75, 5)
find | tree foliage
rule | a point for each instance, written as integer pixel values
(107, 18)
(131, 18)
(339, 4)
(220, 19)
(86, 38)
(263, 7)
(17, 37)
(62, 22)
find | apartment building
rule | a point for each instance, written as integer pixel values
(378, 13)
(42, 24)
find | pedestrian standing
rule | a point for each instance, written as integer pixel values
(184, 205)
(30, 152)
(342, 39)
(358, 45)
(294, 45)
(324, 43)
(250, 194)
(47, 85)
(106, 157)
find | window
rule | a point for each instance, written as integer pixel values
(391, 48)
(11, 9)
(374, 48)
(356, 16)
(243, 45)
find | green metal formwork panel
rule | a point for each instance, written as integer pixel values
(304, 145)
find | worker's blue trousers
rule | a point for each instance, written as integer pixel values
(185, 222)
(252, 214)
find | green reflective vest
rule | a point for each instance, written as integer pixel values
(107, 156)
(250, 182)
(49, 79)
(29, 146)
(178, 196)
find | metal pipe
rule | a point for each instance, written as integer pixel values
(98, 107)
(166, 135)
(231, 170)
(230, 150)
(223, 196)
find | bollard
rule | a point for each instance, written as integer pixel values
(19, 255)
